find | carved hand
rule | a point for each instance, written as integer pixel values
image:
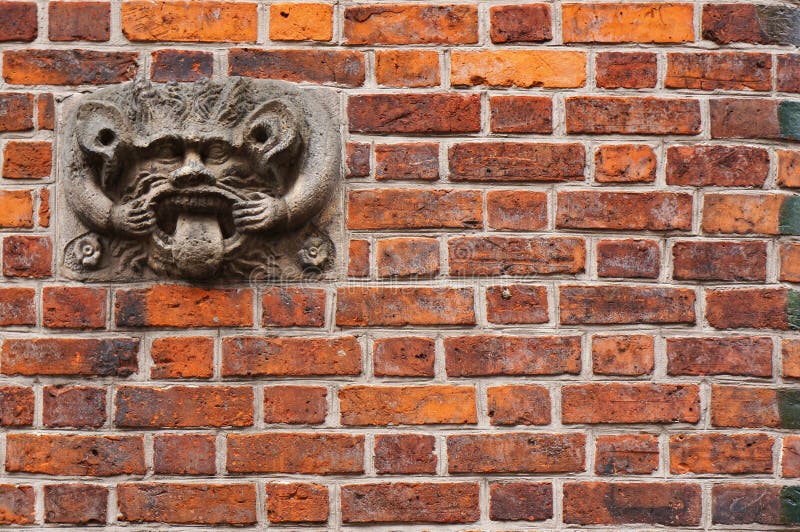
(259, 214)
(133, 218)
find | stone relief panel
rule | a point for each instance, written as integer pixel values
(234, 179)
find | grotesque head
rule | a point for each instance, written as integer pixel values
(202, 180)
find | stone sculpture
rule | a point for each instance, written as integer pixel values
(231, 179)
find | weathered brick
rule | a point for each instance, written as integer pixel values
(727, 23)
(414, 209)
(630, 211)
(344, 68)
(520, 501)
(18, 21)
(74, 307)
(16, 208)
(719, 71)
(418, 161)
(432, 113)
(297, 503)
(317, 453)
(719, 261)
(184, 406)
(198, 21)
(516, 210)
(617, 503)
(623, 22)
(630, 403)
(617, 305)
(518, 68)
(183, 306)
(634, 115)
(75, 504)
(401, 306)
(357, 159)
(16, 504)
(43, 212)
(79, 21)
(300, 22)
(518, 404)
(16, 110)
(27, 159)
(628, 454)
(517, 304)
(628, 258)
(184, 454)
(521, 114)
(791, 457)
(407, 405)
(284, 306)
(358, 258)
(485, 355)
(73, 406)
(722, 166)
(629, 355)
(516, 161)
(250, 356)
(182, 357)
(439, 502)
(407, 257)
(407, 356)
(102, 357)
(730, 454)
(181, 65)
(740, 118)
(516, 452)
(744, 406)
(730, 355)
(75, 455)
(734, 504)
(788, 73)
(626, 70)
(68, 67)
(500, 255)
(27, 256)
(17, 306)
(521, 23)
(16, 406)
(742, 213)
(46, 109)
(754, 308)
(295, 404)
(407, 68)
(789, 168)
(411, 24)
(195, 504)
(790, 351)
(625, 163)
(405, 454)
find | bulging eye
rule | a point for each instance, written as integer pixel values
(168, 152)
(217, 152)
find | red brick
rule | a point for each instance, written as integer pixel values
(401, 306)
(405, 454)
(75, 455)
(27, 160)
(358, 259)
(520, 501)
(198, 21)
(407, 405)
(300, 22)
(418, 161)
(516, 162)
(410, 24)
(102, 357)
(730, 355)
(617, 503)
(485, 355)
(719, 71)
(250, 356)
(414, 209)
(630, 211)
(407, 257)
(16, 406)
(17, 306)
(295, 404)
(740, 118)
(521, 114)
(16, 109)
(628, 454)
(427, 114)
(791, 457)
(27, 256)
(742, 213)
(744, 406)
(43, 212)
(752, 308)
(79, 21)
(68, 67)
(407, 68)
(195, 504)
(497, 255)
(46, 109)
(603, 115)
(403, 357)
(184, 406)
(516, 452)
(788, 168)
(184, 454)
(719, 261)
(521, 23)
(626, 70)
(292, 307)
(722, 166)
(18, 21)
(357, 159)
(518, 404)
(181, 65)
(75, 504)
(182, 357)
(73, 406)
(727, 23)
(729, 454)
(297, 503)
(74, 307)
(16, 504)
(790, 351)
(516, 304)
(439, 502)
(183, 306)
(518, 68)
(788, 73)
(318, 453)
(516, 210)
(621, 22)
(630, 403)
(617, 305)
(344, 68)
(625, 163)
(629, 355)
(628, 258)
(745, 504)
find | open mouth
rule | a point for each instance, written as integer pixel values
(205, 205)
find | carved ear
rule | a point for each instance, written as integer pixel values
(101, 129)
(271, 129)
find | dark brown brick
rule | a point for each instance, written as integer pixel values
(75, 504)
(744, 504)
(628, 258)
(79, 21)
(288, 306)
(16, 406)
(520, 501)
(788, 73)
(596, 115)
(73, 406)
(439, 502)
(617, 305)
(744, 118)
(719, 261)
(181, 65)
(756, 308)
(68, 67)
(16, 504)
(521, 23)
(183, 306)
(18, 21)
(414, 113)
(17, 306)
(74, 307)
(344, 68)
(407, 257)
(626, 70)
(516, 162)
(719, 71)
(721, 166)
(27, 256)
(184, 454)
(16, 110)
(727, 23)
(295, 404)
(358, 258)
(405, 454)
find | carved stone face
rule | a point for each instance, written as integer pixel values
(201, 180)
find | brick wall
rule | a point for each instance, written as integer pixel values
(570, 294)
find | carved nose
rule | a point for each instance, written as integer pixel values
(193, 173)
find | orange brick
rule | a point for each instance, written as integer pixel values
(742, 213)
(196, 504)
(247, 356)
(407, 68)
(789, 168)
(282, 452)
(293, 307)
(619, 23)
(625, 163)
(181, 357)
(630, 355)
(406, 305)
(403, 357)
(297, 503)
(295, 404)
(74, 307)
(68, 67)
(518, 68)
(411, 24)
(27, 160)
(518, 405)
(189, 21)
(407, 405)
(16, 208)
(183, 306)
(730, 454)
(75, 455)
(516, 210)
(301, 22)
(628, 454)
(791, 358)
(630, 403)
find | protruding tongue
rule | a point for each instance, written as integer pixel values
(197, 244)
